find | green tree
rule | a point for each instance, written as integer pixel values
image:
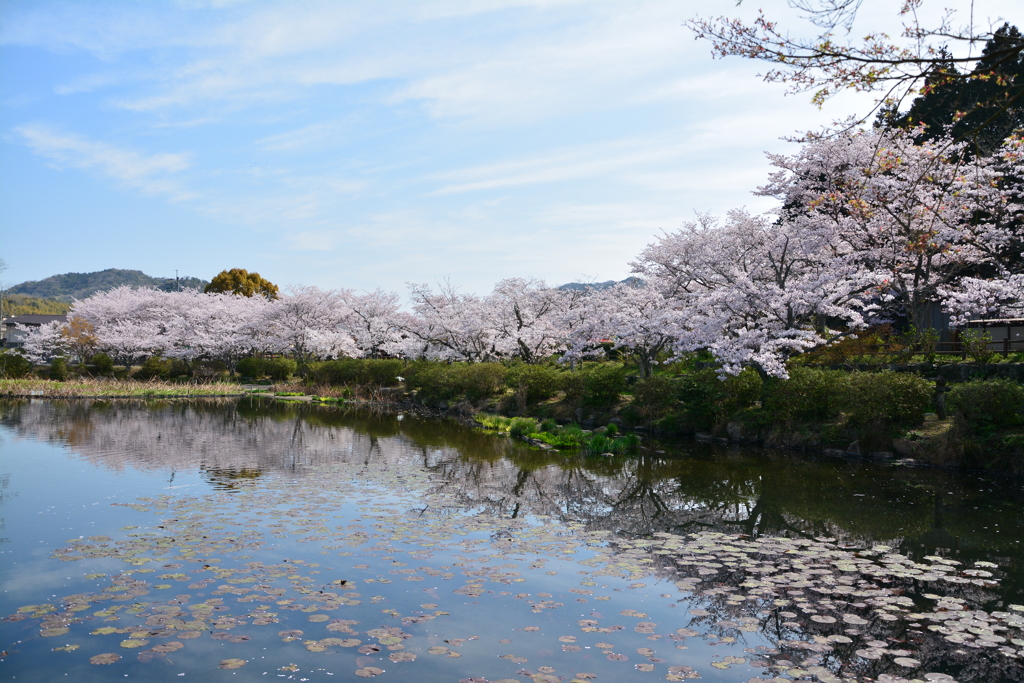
(983, 106)
(241, 281)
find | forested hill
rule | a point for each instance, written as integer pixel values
(70, 286)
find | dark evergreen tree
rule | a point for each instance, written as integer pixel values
(983, 106)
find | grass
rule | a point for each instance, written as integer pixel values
(569, 437)
(98, 388)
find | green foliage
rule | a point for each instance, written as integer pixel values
(240, 281)
(809, 395)
(539, 382)
(603, 385)
(21, 304)
(280, 369)
(444, 382)
(611, 429)
(653, 398)
(709, 400)
(990, 403)
(59, 369)
(13, 365)
(495, 422)
(975, 343)
(356, 371)
(889, 400)
(250, 367)
(103, 363)
(522, 426)
(153, 367)
(548, 425)
(277, 369)
(289, 393)
(562, 438)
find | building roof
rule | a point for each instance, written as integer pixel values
(34, 319)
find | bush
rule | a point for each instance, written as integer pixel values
(59, 369)
(358, 371)
(153, 367)
(103, 363)
(14, 365)
(988, 403)
(443, 382)
(975, 343)
(539, 382)
(809, 395)
(603, 384)
(478, 381)
(279, 369)
(250, 367)
(709, 400)
(886, 399)
(653, 398)
(522, 426)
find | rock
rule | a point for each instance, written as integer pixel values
(882, 455)
(735, 431)
(903, 447)
(704, 437)
(835, 452)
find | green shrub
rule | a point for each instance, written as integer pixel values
(604, 384)
(987, 403)
(358, 371)
(975, 343)
(59, 369)
(654, 397)
(612, 429)
(153, 367)
(548, 425)
(887, 399)
(574, 384)
(14, 365)
(477, 381)
(103, 363)
(809, 395)
(598, 443)
(251, 367)
(496, 422)
(540, 382)
(279, 369)
(522, 426)
(709, 400)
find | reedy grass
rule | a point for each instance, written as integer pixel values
(99, 388)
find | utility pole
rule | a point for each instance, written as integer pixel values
(177, 283)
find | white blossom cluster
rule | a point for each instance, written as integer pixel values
(872, 225)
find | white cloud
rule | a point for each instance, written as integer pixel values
(133, 169)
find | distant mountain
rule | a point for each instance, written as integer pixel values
(70, 286)
(600, 285)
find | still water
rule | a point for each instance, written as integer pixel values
(245, 540)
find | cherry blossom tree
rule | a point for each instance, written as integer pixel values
(376, 322)
(523, 314)
(449, 325)
(310, 323)
(753, 291)
(919, 216)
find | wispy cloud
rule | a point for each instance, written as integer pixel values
(132, 169)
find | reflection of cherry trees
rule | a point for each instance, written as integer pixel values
(829, 607)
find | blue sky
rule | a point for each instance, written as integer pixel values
(366, 144)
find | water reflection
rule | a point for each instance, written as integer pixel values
(807, 591)
(687, 488)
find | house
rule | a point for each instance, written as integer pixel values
(15, 329)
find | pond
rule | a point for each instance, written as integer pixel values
(253, 539)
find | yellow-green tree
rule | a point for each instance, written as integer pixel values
(241, 281)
